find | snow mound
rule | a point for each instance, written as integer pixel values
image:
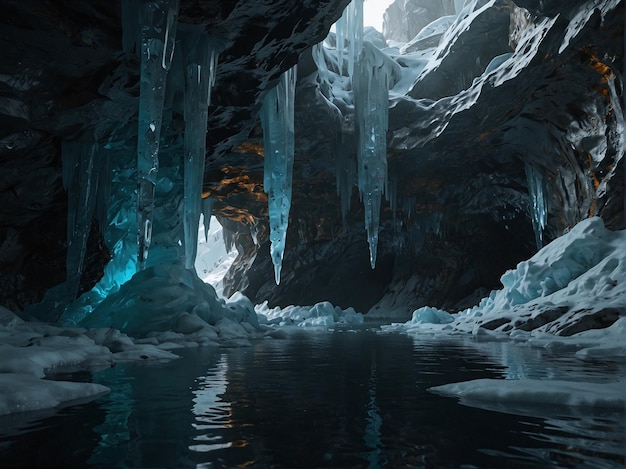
(576, 283)
(161, 298)
(320, 314)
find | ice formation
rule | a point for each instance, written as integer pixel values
(158, 31)
(277, 115)
(573, 284)
(320, 314)
(201, 63)
(538, 211)
(86, 180)
(371, 102)
(350, 28)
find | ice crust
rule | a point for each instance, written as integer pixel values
(539, 392)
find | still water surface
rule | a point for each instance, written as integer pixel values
(322, 399)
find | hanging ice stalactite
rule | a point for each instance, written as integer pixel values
(340, 40)
(207, 212)
(538, 211)
(371, 102)
(354, 33)
(201, 60)
(277, 115)
(82, 165)
(158, 30)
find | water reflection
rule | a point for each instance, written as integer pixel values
(212, 411)
(571, 436)
(325, 400)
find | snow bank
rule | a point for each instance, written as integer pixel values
(575, 284)
(320, 314)
(537, 392)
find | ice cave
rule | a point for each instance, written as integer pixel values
(312, 233)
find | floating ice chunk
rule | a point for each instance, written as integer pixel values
(430, 315)
(535, 391)
(277, 114)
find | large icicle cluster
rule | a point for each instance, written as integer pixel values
(158, 31)
(277, 115)
(370, 73)
(200, 65)
(538, 210)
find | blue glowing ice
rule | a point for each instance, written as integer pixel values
(158, 31)
(200, 75)
(277, 115)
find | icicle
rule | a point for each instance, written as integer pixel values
(354, 33)
(340, 40)
(80, 176)
(538, 212)
(371, 98)
(200, 68)
(207, 213)
(158, 30)
(277, 115)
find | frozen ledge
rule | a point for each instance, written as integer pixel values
(23, 393)
(541, 392)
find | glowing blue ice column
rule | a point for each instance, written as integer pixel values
(158, 31)
(538, 211)
(83, 165)
(199, 80)
(371, 102)
(277, 115)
